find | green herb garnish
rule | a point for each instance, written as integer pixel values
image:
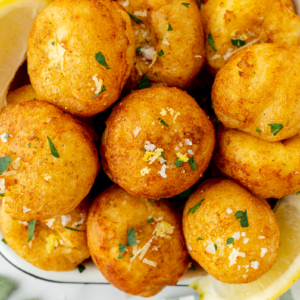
(160, 53)
(192, 268)
(229, 241)
(211, 42)
(193, 164)
(298, 193)
(36, 138)
(102, 91)
(31, 227)
(143, 149)
(185, 4)
(73, 229)
(199, 239)
(6, 135)
(275, 128)
(178, 162)
(195, 207)
(163, 156)
(138, 50)
(147, 41)
(153, 200)
(216, 247)
(169, 27)
(258, 130)
(100, 58)
(144, 82)
(238, 43)
(4, 163)
(150, 220)
(134, 18)
(155, 75)
(4, 241)
(2, 195)
(163, 122)
(81, 268)
(52, 43)
(185, 194)
(52, 148)
(131, 240)
(243, 216)
(28, 145)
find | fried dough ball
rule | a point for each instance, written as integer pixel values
(169, 41)
(232, 234)
(22, 94)
(235, 24)
(269, 170)
(53, 247)
(257, 91)
(158, 142)
(80, 54)
(156, 255)
(53, 161)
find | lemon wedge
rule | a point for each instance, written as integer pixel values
(16, 19)
(282, 275)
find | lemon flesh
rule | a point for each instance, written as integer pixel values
(282, 275)
(16, 19)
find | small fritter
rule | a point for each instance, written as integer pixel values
(48, 161)
(80, 54)
(257, 91)
(232, 234)
(158, 142)
(169, 41)
(53, 246)
(269, 170)
(137, 244)
(232, 25)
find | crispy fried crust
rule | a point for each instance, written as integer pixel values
(61, 54)
(253, 21)
(259, 86)
(269, 170)
(214, 224)
(114, 212)
(45, 186)
(183, 46)
(53, 248)
(121, 150)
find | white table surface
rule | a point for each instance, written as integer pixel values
(30, 287)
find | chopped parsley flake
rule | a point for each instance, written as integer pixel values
(216, 247)
(100, 58)
(275, 128)
(28, 145)
(193, 164)
(6, 135)
(160, 53)
(169, 27)
(229, 241)
(144, 82)
(4, 241)
(163, 122)
(150, 220)
(185, 4)
(258, 130)
(52, 43)
(163, 156)
(131, 240)
(36, 138)
(185, 194)
(147, 41)
(102, 91)
(178, 162)
(2, 195)
(298, 193)
(52, 148)
(120, 256)
(122, 249)
(31, 227)
(135, 19)
(143, 149)
(243, 216)
(4, 163)
(155, 75)
(153, 200)
(238, 43)
(73, 229)
(81, 268)
(211, 42)
(199, 239)
(138, 50)
(192, 268)
(195, 207)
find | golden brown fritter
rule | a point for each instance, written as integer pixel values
(158, 142)
(157, 258)
(235, 24)
(80, 54)
(232, 234)
(169, 41)
(37, 184)
(269, 170)
(53, 247)
(257, 91)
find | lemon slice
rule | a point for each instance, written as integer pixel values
(16, 19)
(282, 275)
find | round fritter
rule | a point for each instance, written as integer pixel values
(237, 23)
(269, 170)
(53, 247)
(257, 91)
(232, 234)
(158, 142)
(169, 41)
(80, 54)
(22, 94)
(38, 184)
(155, 255)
